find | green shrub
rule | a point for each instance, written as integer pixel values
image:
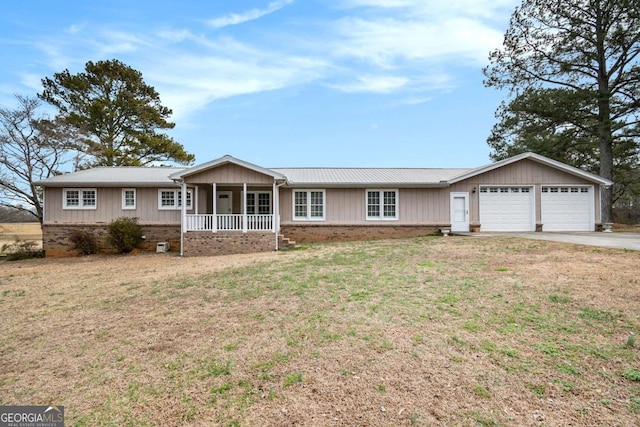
(124, 234)
(84, 241)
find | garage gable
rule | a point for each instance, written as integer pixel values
(530, 168)
(530, 192)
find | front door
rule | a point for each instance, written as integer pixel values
(459, 212)
(224, 202)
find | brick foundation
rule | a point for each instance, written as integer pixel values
(314, 233)
(198, 243)
(55, 238)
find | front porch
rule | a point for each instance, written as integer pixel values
(231, 207)
(230, 222)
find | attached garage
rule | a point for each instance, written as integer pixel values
(567, 208)
(507, 208)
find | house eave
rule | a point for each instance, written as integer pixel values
(536, 158)
(366, 185)
(181, 175)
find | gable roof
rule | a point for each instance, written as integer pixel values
(224, 160)
(120, 176)
(415, 177)
(536, 158)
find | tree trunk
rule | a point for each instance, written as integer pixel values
(604, 118)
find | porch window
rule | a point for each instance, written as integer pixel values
(79, 198)
(309, 205)
(382, 204)
(172, 199)
(128, 198)
(258, 203)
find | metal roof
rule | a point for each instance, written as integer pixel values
(122, 176)
(369, 176)
(314, 177)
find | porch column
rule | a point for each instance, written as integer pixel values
(183, 214)
(275, 207)
(214, 226)
(195, 200)
(244, 207)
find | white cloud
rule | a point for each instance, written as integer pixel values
(188, 82)
(387, 41)
(239, 18)
(404, 47)
(375, 84)
(436, 8)
(377, 3)
(74, 29)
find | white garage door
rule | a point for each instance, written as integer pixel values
(567, 208)
(507, 209)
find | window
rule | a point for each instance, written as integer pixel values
(79, 198)
(259, 203)
(309, 205)
(382, 204)
(172, 199)
(128, 198)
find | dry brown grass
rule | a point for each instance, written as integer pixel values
(430, 331)
(21, 232)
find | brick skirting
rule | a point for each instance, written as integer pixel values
(315, 233)
(226, 243)
(55, 238)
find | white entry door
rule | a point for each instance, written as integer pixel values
(459, 212)
(224, 202)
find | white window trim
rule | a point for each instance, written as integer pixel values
(256, 193)
(176, 192)
(80, 199)
(308, 217)
(381, 217)
(124, 199)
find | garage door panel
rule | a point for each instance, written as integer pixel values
(567, 208)
(506, 209)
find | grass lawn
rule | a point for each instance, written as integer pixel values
(428, 332)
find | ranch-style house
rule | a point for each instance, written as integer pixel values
(228, 205)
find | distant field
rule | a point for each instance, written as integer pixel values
(433, 331)
(23, 231)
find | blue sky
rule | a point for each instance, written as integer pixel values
(389, 83)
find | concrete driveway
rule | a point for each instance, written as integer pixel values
(605, 240)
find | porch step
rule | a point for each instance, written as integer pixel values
(285, 242)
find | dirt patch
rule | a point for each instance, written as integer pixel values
(433, 331)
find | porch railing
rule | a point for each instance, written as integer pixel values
(229, 222)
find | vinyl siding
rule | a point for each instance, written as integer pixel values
(526, 173)
(348, 206)
(109, 207)
(431, 205)
(229, 174)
